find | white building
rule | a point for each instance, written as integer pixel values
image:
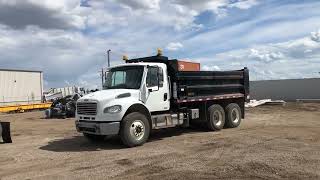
(20, 87)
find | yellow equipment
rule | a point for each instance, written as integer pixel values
(24, 107)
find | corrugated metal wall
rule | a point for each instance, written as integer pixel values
(289, 89)
(20, 87)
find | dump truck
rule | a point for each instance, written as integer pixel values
(154, 92)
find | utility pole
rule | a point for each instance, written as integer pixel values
(102, 77)
(102, 72)
(109, 57)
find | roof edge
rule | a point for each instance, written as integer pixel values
(21, 70)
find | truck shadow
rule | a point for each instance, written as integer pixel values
(161, 134)
(80, 143)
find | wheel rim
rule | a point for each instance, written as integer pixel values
(137, 129)
(235, 116)
(217, 118)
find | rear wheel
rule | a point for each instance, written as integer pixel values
(135, 129)
(94, 137)
(216, 117)
(233, 115)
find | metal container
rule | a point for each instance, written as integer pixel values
(188, 66)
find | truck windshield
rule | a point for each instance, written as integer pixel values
(126, 77)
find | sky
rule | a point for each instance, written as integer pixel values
(68, 39)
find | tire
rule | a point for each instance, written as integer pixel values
(94, 137)
(48, 113)
(233, 115)
(135, 129)
(216, 118)
(6, 135)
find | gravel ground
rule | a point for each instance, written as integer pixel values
(273, 142)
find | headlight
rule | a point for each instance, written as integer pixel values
(112, 109)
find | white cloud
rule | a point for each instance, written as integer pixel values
(298, 58)
(102, 14)
(63, 14)
(276, 24)
(210, 68)
(62, 55)
(99, 18)
(142, 4)
(315, 36)
(244, 4)
(69, 42)
(265, 55)
(219, 7)
(202, 5)
(174, 46)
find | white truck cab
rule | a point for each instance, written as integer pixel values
(137, 87)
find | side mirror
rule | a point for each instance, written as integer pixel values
(150, 90)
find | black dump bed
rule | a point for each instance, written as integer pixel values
(191, 85)
(202, 84)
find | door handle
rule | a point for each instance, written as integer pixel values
(165, 96)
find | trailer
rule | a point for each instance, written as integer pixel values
(154, 93)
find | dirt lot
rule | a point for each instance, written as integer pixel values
(273, 142)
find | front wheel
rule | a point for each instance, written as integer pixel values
(135, 129)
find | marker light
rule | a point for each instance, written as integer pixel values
(159, 52)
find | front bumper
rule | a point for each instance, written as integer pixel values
(98, 128)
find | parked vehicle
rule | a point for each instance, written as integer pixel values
(154, 92)
(63, 107)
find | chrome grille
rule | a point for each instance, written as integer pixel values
(87, 108)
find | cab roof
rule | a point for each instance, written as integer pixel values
(138, 64)
(157, 59)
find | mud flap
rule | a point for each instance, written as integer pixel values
(6, 135)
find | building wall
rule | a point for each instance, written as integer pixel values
(289, 89)
(20, 87)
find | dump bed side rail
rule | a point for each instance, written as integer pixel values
(197, 84)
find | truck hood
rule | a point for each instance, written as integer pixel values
(110, 94)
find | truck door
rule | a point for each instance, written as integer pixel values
(157, 89)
